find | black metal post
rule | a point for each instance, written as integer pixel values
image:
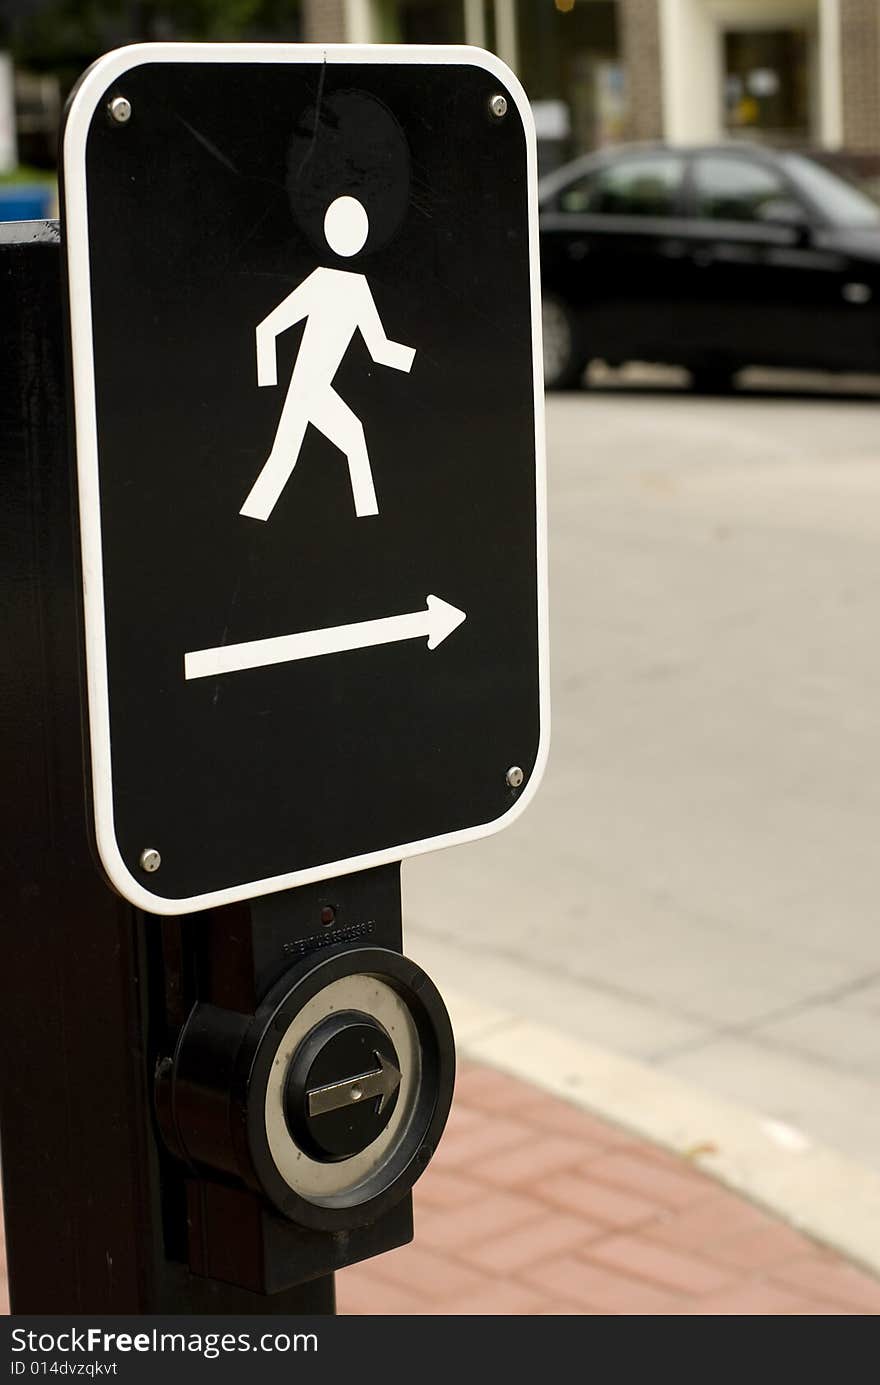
(99, 1217)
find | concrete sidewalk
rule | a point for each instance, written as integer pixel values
(695, 885)
(533, 1206)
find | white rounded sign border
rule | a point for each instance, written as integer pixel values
(91, 89)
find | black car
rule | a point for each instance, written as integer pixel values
(709, 258)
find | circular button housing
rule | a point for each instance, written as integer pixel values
(342, 1086)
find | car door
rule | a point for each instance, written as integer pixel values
(761, 276)
(602, 239)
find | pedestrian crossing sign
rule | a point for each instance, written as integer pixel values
(304, 310)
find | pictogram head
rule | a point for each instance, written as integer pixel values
(346, 226)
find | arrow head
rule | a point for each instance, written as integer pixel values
(390, 1080)
(442, 620)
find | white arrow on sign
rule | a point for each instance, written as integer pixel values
(437, 621)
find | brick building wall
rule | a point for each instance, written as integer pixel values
(860, 73)
(639, 29)
(324, 21)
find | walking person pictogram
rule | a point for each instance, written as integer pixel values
(336, 303)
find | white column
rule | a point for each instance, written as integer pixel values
(830, 75)
(8, 142)
(690, 61)
(506, 44)
(359, 21)
(475, 22)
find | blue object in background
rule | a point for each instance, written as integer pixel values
(25, 202)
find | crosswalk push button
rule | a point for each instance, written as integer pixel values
(342, 1086)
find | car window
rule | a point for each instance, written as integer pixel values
(842, 202)
(644, 186)
(735, 189)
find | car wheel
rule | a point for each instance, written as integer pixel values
(713, 380)
(564, 357)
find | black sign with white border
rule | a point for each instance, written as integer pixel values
(305, 325)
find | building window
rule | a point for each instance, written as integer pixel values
(569, 52)
(420, 21)
(767, 83)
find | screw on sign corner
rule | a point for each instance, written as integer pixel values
(120, 110)
(498, 106)
(515, 777)
(150, 860)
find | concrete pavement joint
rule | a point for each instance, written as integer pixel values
(596, 983)
(750, 1029)
(825, 1194)
(788, 1050)
(861, 983)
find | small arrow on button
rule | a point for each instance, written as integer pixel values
(382, 1082)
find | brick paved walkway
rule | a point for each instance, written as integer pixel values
(533, 1207)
